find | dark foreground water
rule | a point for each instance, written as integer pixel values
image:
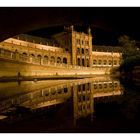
(99, 104)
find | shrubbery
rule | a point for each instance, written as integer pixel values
(130, 54)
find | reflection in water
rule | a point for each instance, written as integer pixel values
(80, 93)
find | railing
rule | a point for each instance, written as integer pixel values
(15, 56)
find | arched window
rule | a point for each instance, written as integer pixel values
(115, 84)
(105, 62)
(45, 60)
(100, 86)
(78, 61)
(65, 90)
(78, 50)
(52, 60)
(87, 52)
(32, 57)
(83, 62)
(110, 85)
(105, 85)
(88, 86)
(39, 58)
(78, 41)
(100, 62)
(79, 88)
(94, 62)
(59, 91)
(84, 87)
(110, 62)
(95, 86)
(65, 60)
(115, 62)
(58, 60)
(82, 50)
(24, 56)
(84, 98)
(87, 62)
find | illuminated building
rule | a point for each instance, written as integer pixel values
(70, 50)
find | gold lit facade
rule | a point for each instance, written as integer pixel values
(66, 50)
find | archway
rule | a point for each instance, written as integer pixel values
(83, 62)
(65, 60)
(58, 60)
(78, 61)
(52, 60)
(45, 59)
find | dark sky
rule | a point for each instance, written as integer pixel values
(107, 23)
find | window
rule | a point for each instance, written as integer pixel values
(88, 86)
(58, 60)
(78, 61)
(65, 90)
(82, 50)
(79, 108)
(87, 62)
(24, 55)
(33, 57)
(116, 84)
(110, 62)
(87, 52)
(79, 98)
(100, 86)
(78, 50)
(115, 62)
(79, 88)
(78, 41)
(105, 62)
(110, 85)
(105, 85)
(83, 62)
(39, 58)
(86, 43)
(88, 97)
(45, 60)
(52, 60)
(53, 92)
(84, 88)
(95, 86)
(94, 62)
(65, 60)
(88, 106)
(84, 98)
(99, 62)
(59, 91)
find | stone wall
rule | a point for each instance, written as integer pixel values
(12, 68)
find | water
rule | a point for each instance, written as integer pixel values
(99, 104)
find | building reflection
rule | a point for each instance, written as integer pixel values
(82, 94)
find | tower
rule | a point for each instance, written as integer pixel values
(82, 48)
(78, 44)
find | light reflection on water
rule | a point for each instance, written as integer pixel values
(75, 96)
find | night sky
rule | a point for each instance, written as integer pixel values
(107, 23)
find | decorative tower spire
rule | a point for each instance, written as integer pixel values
(72, 27)
(89, 30)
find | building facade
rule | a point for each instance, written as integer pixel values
(68, 48)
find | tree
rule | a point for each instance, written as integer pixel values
(130, 53)
(129, 47)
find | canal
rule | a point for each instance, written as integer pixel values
(100, 104)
